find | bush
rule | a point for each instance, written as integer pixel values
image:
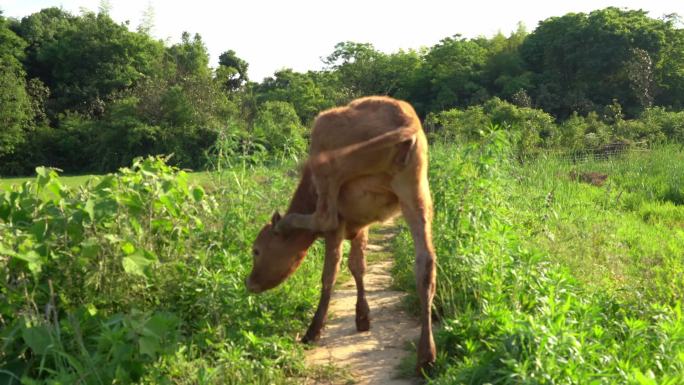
(137, 274)
(278, 128)
(581, 133)
(530, 129)
(670, 124)
(456, 126)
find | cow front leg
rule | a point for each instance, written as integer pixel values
(333, 255)
(357, 266)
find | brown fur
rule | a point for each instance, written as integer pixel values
(368, 161)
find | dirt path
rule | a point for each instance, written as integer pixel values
(370, 357)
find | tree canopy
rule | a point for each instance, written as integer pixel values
(87, 94)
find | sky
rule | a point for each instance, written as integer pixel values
(275, 34)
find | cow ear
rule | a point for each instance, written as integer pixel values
(275, 218)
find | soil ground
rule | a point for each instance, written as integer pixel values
(371, 357)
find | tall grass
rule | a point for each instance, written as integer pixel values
(627, 235)
(511, 310)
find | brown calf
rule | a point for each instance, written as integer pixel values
(368, 161)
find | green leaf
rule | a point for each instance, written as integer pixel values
(162, 224)
(105, 208)
(92, 310)
(6, 251)
(198, 193)
(42, 172)
(38, 229)
(33, 259)
(37, 338)
(128, 248)
(90, 247)
(160, 324)
(90, 209)
(169, 204)
(137, 228)
(136, 263)
(645, 379)
(149, 345)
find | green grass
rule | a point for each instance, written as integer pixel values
(545, 280)
(138, 277)
(71, 181)
(624, 235)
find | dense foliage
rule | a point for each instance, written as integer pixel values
(85, 94)
(137, 277)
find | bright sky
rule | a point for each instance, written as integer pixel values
(275, 34)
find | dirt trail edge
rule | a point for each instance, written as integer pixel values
(370, 357)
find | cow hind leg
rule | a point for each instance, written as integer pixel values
(328, 189)
(333, 255)
(325, 218)
(357, 266)
(416, 204)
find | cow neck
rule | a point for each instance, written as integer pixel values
(304, 198)
(304, 202)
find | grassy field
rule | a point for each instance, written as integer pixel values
(71, 181)
(543, 278)
(626, 236)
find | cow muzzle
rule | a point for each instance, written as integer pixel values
(253, 287)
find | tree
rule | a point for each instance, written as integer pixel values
(355, 64)
(453, 72)
(504, 73)
(583, 61)
(147, 20)
(15, 105)
(105, 7)
(668, 72)
(640, 74)
(39, 30)
(361, 70)
(190, 57)
(232, 71)
(95, 57)
(301, 90)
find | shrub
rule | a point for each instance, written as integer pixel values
(457, 126)
(530, 129)
(670, 124)
(584, 133)
(137, 274)
(279, 129)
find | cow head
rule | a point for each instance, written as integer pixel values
(276, 255)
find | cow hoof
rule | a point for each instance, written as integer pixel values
(425, 369)
(362, 324)
(426, 361)
(310, 338)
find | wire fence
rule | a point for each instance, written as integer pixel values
(609, 151)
